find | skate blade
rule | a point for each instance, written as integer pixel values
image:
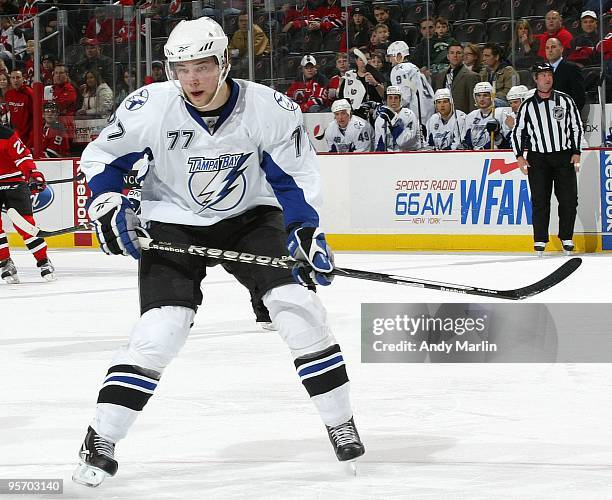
(351, 467)
(88, 476)
(12, 280)
(540, 253)
(568, 253)
(49, 277)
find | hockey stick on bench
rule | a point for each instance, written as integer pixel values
(549, 281)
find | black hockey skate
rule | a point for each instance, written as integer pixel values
(345, 440)
(97, 460)
(539, 247)
(8, 271)
(46, 269)
(568, 247)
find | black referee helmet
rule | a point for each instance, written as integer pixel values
(540, 67)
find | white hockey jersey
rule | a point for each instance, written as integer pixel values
(353, 89)
(505, 129)
(257, 154)
(446, 135)
(403, 136)
(357, 136)
(407, 76)
(476, 135)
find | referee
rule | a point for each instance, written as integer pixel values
(548, 126)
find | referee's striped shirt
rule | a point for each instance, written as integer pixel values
(547, 125)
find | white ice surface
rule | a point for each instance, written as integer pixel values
(231, 420)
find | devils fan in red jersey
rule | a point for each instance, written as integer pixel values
(56, 140)
(19, 178)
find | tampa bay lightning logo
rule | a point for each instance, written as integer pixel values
(284, 102)
(218, 183)
(42, 200)
(137, 100)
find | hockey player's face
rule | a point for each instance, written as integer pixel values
(199, 79)
(394, 102)
(342, 118)
(483, 100)
(515, 104)
(443, 106)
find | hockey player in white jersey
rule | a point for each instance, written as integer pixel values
(347, 133)
(482, 121)
(446, 127)
(515, 97)
(225, 157)
(413, 83)
(396, 127)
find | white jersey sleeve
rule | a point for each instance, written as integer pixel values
(257, 153)
(446, 135)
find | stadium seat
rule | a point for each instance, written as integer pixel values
(572, 25)
(411, 33)
(525, 78)
(591, 76)
(289, 67)
(522, 8)
(262, 68)
(331, 41)
(607, 22)
(538, 26)
(415, 12)
(326, 61)
(499, 30)
(541, 7)
(230, 24)
(451, 10)
(469, 31)
(395, 11)
(479, 9)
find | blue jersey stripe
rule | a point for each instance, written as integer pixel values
(321, 366)
(111, 178)
(133, 381)
(289, 194)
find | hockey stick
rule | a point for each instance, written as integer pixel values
(492, 139)
(77, 177)
(287, 263)
(18, 221)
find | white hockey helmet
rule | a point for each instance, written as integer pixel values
(483, 88)
(443, 93)
(399, 47)
(197, 39)
(393, 90)
(341, 105)
(516, 92)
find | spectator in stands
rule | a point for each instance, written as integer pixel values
(19, 101)
(568, 77)
(27, 10)
(440, 42)
(472, 57)
(48, 65)
(342, 67)
(554, 29)
(157, 72)
(27, 63)
(583, 45)
(97, 97)
(12, 41)
(238, 46)
(382, 15)
(359, 29)
(377, 60)
(526, 46)
(498, 72)
(309, 90)
(330, 14)
(458, 78)
(93, 60)
(55, 140)
(301, 22)
(65, 95)
(396, 127)
(125, 86)
(100, 26)
(381, 42)
(347, 133)
(361, 86)
(4, 87)
(422, 54)
(3, 67)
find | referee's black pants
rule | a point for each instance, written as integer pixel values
(545, 171)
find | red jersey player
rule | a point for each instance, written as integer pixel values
(19, 177)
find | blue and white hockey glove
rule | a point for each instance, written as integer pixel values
(115, 223)
(307, 245)
(388, 115)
